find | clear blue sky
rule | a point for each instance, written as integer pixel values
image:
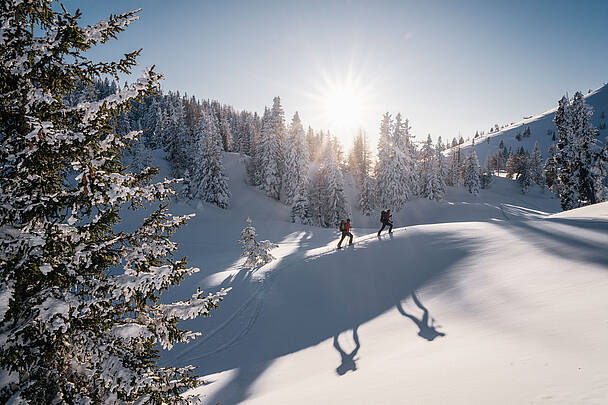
(447, 66)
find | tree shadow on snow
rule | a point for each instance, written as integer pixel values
(427, 330)
(565, 238)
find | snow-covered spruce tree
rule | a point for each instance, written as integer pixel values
(551, 172)
(225, 134)
(384, 170)
(404, 160)
(278, 133)
(178, 144)
(566, 156)
(333, 205)
(442, 164)
(537, 167)
(82, 321)
(207, 180)
(453, 170)
(589, 149)
(471, 173)
(393, 169)
(431, 185)
(256, 252)
(267, 159)
(512, 166)
(300, 210)
(296, 167)
(601, 174)
(524, 177)
(254, 168)
(359, 157)
(367, 200)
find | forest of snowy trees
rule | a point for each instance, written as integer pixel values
(307, 169)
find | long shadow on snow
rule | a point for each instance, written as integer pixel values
(594, 224)
(427, 330)
(348, 361)
(562, 237)
(309, 301)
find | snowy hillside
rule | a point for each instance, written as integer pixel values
(539, 125)
(480, 299)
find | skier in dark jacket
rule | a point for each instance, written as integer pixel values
(385, 218)
(345, 229)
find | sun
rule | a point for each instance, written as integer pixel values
(343, 101)
(343, 106)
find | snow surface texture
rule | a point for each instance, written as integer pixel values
(486, 299)
(539, 125)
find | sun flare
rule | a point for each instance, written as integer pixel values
(343, 102)
(343, 107)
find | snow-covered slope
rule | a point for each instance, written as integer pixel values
(480, 300)
(539, 125)
(591, 212)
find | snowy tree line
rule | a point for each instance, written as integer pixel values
(578, 163)
(576, 169)
(305, 168)
(193, 134)
(300, 168)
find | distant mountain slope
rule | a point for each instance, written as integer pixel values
(539, 125)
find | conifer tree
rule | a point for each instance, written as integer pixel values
(296, 168)
(157, 133)
(267, 161)
(384, 169)
(278, 134)
(367, 200)
(254, 167)
(588, 149)
(442, 166)
(601, 174)
(300, 210)
(394, 168)
(207, 180)
(257, 253)
(565, 155)
(524, 177)
(405, 161)
(431, 185)
(440, 146)
(512, 166)
(537, 167)
(551, 172)
(471, 173)
(84, 317)
(312, 143)
(453, 169)
(226, 134)
(332, 204)
(359, 157)
(179, 146)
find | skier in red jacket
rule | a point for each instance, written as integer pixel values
(345, 229)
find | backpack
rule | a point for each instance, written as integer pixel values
(383, 216)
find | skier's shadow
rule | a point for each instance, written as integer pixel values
(348, 360)
(427, 331)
